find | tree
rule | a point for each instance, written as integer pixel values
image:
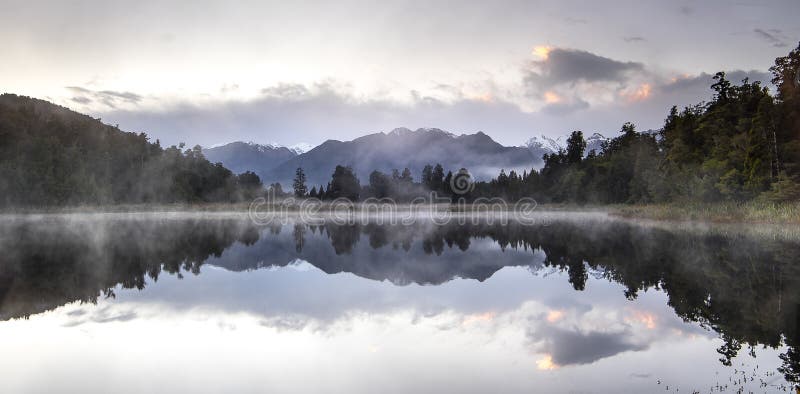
(344, 184)
(786, 131)
(299, 183)
(249, 180)
(406, 177)
(575, 147)
(379, 184)
(427, 176)
(722, 87)
(437, 178)
(446, 183)
(276, 189)
(249, 184)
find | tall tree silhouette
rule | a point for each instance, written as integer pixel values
(299, 183)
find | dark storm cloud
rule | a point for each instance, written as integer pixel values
(568, 66)
(772, 36)
(573, 347)
(109, 98)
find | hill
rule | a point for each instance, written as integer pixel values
(52, 156)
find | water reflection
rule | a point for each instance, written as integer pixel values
(739, 286)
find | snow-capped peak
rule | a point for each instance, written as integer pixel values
(297, 149)
(399, 131)
(263, 147)
(301, 148)
(596, 136)
(546, 143)
(435, 130)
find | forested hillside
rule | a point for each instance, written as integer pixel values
(743, 144)
(51, 156)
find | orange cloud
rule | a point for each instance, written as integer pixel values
(546, 363)
(554, 316)
(542, 51)
(645, 318)
(551, 97)
(640, 94)
(479, 317)
(485, 97)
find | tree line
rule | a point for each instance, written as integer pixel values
(397, 185)
(51, 156)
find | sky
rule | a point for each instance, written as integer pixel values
(302, 72)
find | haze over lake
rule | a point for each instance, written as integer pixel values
(576, 303)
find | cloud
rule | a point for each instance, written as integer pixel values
(569, 66)
(107, 314)
(291, 113)
(561, 108)
(634, 39)
(699, 84)
(290, 91)
(81, 100)
(570, 80)
(772, 36)
(563, 90)
(109, 98)
(574, 347)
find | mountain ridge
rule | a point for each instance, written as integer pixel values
(404, 148)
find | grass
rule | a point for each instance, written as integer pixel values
(745, 212)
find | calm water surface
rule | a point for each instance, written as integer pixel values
(576, 303)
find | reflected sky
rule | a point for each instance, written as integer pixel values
(212, 304)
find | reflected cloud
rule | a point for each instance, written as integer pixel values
(554, 316)
(573, 346)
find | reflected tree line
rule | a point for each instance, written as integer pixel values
(742, 287)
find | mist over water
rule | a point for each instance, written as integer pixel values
(575, 302)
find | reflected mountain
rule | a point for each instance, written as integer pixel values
(742, 286)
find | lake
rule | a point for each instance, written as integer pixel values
(577, 302)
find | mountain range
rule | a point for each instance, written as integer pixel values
(397, 149)
(543, 144)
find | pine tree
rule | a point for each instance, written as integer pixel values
(427, 176)
(299, 183)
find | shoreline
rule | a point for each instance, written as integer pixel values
(730, 213)
(742, 213)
